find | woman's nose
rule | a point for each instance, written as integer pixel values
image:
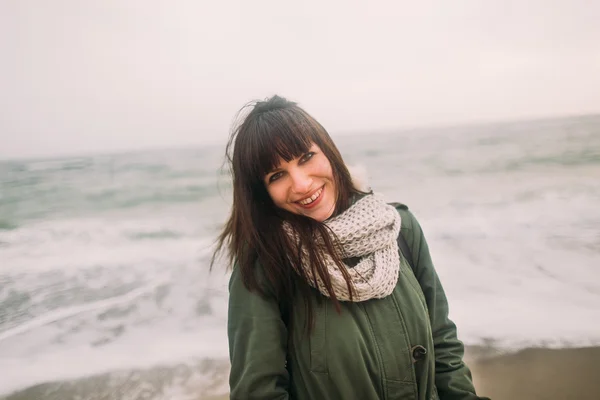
(301, 182)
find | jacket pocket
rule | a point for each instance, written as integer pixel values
(400, 389)
(318, 349)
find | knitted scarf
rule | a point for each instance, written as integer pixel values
(367, 230)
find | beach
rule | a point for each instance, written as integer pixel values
(537, 373)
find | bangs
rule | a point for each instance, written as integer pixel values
(273, 136)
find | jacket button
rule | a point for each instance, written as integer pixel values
(418, 353)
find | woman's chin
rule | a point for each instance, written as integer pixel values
(321, 214)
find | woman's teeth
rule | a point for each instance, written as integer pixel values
(312, 198)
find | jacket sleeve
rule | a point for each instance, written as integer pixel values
(257, 345)
(452, 377)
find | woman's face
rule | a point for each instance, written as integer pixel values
(305, 185)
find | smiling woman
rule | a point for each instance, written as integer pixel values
(304, 185)
(322, 303)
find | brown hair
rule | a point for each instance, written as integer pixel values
(268, 261)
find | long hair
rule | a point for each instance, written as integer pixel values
(268, 260)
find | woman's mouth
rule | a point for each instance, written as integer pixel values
(312, 200)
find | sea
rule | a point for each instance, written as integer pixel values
(106, 290)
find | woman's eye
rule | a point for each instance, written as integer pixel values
(275, 176)
(307, 156)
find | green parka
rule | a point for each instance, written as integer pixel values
(401, 347)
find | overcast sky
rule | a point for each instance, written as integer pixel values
(86, 76)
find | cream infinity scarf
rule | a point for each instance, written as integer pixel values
(369, 230)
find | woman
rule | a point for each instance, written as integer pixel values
(323, 305)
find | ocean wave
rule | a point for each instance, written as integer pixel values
(67, 312)
(7, 225)
(157, 235)
(141, 349)
(37, 189)
(205, 379)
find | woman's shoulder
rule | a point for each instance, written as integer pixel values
(252, 280)
(409, 222)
